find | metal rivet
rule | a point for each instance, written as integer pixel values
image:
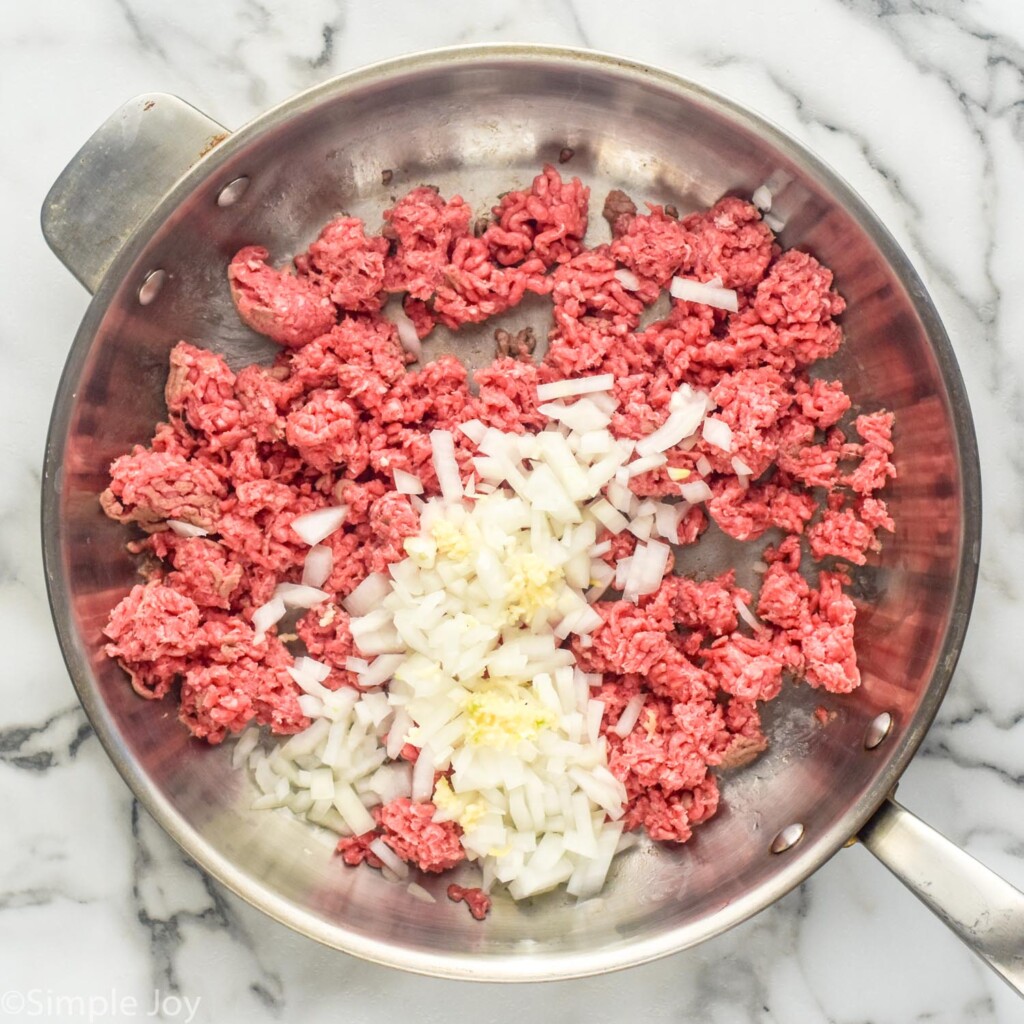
(787, 838)
(232, 191)
(151, 285)
(878, 730)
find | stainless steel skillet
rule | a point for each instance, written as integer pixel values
(147, 215)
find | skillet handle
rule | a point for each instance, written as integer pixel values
(119, 176)
(983, 910)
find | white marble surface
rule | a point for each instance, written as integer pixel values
(919, 104)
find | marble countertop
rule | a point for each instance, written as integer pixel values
(920, 105)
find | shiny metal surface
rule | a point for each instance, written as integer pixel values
(100, 197)
(476, 120)
(983, 910)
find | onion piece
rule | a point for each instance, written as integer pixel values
(417, 892)
(647, 463)
(387, 856)
(746, 614)
(423, 776)
(443, 456)
(666, 520)
(718, 433)
(267, 615)
(407, 483)
(688, 409)
(474, 430)
(296, 595)
(368, 595)
(380, 670)
(762, 198)
(630, 715)
(695, 491)
(609, 517)
(703, 466)
(740, 468)
(183, 529)
(314, 527)
(318, 566)
(408, 336)
(311, 667)
(627, 279)
(705, 294)
(575, 386)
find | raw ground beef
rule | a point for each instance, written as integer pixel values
(241, 455)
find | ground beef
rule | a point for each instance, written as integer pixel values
(842, 535)
(149, 487)
(732, 243)
(355, 850)
(203, 569)
(153, 623)
(478, 902)
(475, 288)
(655, 247)
(547, 222)
(409, 829)
(875, 467)
(425, 228)
(288, 309)
(328, 638)
(346, 265)
(242, 454)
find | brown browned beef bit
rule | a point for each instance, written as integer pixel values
(386, 175)
(566, 154)
(672, 211)
(517, 346)
(618, 210)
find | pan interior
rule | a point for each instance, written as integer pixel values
(475, 125)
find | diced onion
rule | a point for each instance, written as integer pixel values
(408, 337)
(718, 433)
(423, 776)
(746, 614)
(387, 856)
(740, 468)
(311, 667)
(705, 294)
(687, 412)
(703, 465)
(443, 450)
(630, 714)
(666, 520)
(695, 491)
(267, 615)
(368, 595)
(407, 483)
(762, 198)
(644, 465)
(380, 670)
(297, 595)
(183, 529)
(417, 892)
(318, 566)
(627, 279)
(575, 386)
(474, 430)
(313, 527)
